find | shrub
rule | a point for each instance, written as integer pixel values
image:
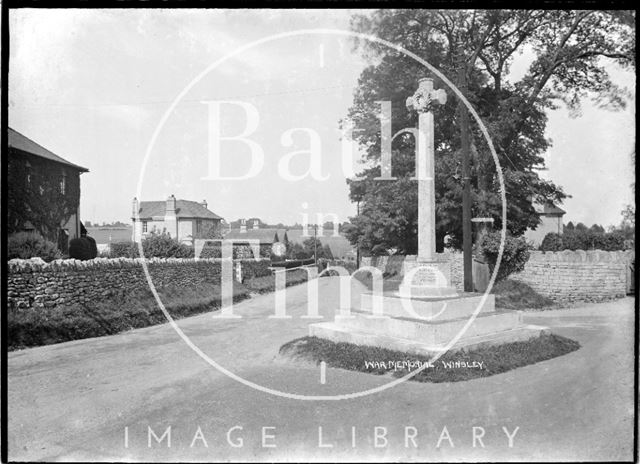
(552, 242)
(36, 327)
(93, 246)
(154, 246)
(581, 239)
(83, 248)
(514, 256)
(163, 246)
(123, 250)
(252, 269)
(25, 245)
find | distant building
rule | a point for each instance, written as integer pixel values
(181, 219)
(550, 221)
(266, 237)
(43, 191)
(340, 247)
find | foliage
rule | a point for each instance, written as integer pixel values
(308, 248)
(375, 360)
(36, 327)
(123, 250)
(267, 283)
(516, 295)
(252, 269)
(83, 248)
(209, 231)
(153, 246)
(34, 195)
(584, 239)
(25, 245)
(163, 246)
(293, 263)
(514, 257)
(475, 47)
(296, 251)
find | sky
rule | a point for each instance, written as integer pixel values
(94, 86)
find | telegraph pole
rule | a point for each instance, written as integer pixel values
(466, 185)
(315, 243)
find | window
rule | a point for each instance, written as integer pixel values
(144, 227)
(198, 226)
(63, 183)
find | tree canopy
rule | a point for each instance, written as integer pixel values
(571, 51)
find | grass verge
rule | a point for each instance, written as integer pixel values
(516, 295)
(479, 362)
(45, 326)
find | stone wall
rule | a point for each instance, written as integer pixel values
(34, 283)
(563, 276)
(567, 276)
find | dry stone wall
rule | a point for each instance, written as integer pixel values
(564, 276)
(568, 276)
(34, 283)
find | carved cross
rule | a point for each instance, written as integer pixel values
(426, 97)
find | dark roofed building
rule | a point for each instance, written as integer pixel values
(43, 191)
(181, 219)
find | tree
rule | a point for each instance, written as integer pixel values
(581, 227)
(569, 226)
(208, 231)
(476, 47)
(34, 195)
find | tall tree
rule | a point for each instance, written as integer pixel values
(570, 48)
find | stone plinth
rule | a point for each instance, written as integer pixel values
(369, 334)
(426, 325)
(394, 305)
(427, 279)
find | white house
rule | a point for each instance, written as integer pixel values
(181, 219)
(550, 221)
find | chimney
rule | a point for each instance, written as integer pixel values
(134, 207)
(171, 206)
(243, 226)
(256, 224)
(204, 203)
(170, 219)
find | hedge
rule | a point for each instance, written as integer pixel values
(584, 240)
(293, 263)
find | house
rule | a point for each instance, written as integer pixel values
(550, 221)
(43, 191)
(265, 236)
(181, 219)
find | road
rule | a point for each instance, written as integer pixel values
(97, 399)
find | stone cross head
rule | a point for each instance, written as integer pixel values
(425, 97)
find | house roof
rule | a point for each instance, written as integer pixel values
(19, 142)
(550, 209)
(266, 236)
(184, 209)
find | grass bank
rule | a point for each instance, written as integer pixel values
(44, 326)
(451, 367)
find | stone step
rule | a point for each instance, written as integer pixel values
(454, 308)
(338, 333)
(433, 332)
